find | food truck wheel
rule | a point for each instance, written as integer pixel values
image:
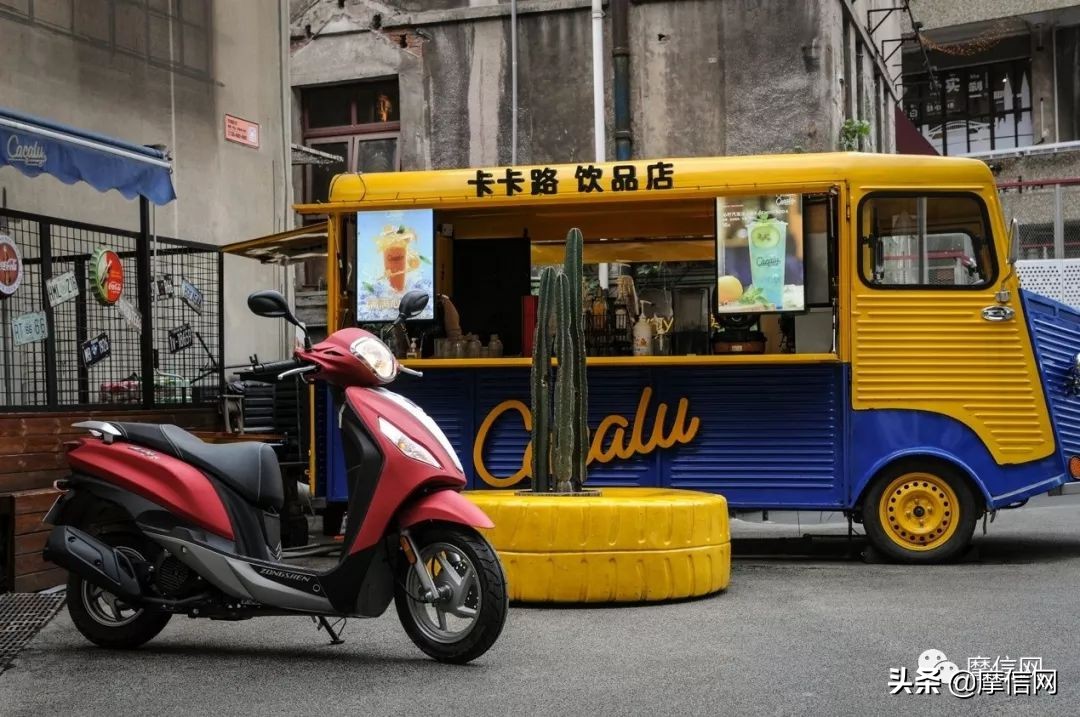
(920, 513)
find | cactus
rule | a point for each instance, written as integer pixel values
(572, 266)
(565, 388)
(560, 450)
(541, 384)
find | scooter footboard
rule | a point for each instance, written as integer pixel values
(446, 506)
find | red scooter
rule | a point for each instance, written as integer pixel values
(155, 522)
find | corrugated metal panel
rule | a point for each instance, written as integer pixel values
(762, 429)
(1056, 330)
(933, 351)
(616, 391)
(504, 446)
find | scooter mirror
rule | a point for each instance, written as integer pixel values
(272, 305)
(412, 304)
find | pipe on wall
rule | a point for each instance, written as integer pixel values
(513, 83)
(599, 137)
(620, 54)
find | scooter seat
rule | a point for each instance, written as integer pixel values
(249, 468)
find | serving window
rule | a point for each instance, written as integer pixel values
(664, 261)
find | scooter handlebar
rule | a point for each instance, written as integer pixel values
(276, 366)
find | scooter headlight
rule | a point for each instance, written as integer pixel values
(377, 357)
(406, 445)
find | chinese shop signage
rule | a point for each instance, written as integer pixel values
(11, 268)
(585, 179)
(106, 276)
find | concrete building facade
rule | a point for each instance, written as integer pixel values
(1000, 80)
(703, 78)
(165, 72)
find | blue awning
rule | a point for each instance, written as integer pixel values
(34, 145)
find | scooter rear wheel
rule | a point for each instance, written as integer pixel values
(466, 621)
(103, 618)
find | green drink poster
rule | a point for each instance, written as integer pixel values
(759, 254)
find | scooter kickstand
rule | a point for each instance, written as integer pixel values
(335, 639)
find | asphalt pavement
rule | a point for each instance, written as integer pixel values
(805, 628)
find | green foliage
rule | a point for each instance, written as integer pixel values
(851, 132)
(541, 383)
(562, 450)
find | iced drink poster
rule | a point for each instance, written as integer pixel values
(759, 254)
(393, 256)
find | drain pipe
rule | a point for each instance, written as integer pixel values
(620, 53)
(513, 83)
(599, 136)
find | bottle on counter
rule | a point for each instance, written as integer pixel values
(642, 332)
(495, 347)
(472, 346)
(414, 351)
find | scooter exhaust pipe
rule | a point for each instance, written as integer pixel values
(93, 560)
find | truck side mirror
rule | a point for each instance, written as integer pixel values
(1014, 242)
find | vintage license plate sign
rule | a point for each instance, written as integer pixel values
(29, 328)
(96, 349)
(162, 287)
(192, 296)
(130, 314)
(62, 288)
(180, 338)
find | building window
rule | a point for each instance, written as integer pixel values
(173, 34)
(973, 109)
(359, 122)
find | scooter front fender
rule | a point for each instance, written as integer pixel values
(447, 506)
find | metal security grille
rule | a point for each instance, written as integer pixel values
(58, 367)
(21, 616)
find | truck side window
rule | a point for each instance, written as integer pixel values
(929, 241)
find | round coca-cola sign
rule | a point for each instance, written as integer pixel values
(11, 268)
(106, 276)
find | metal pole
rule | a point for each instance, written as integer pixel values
(1059, 222)
(143, 271)
(599, 137)
(513, 83)
(51, 359)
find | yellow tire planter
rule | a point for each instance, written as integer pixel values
(626, 545)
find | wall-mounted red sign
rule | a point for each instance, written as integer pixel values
(241, 131)
(106, 276)
(11, 268)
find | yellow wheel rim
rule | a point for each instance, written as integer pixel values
(919, 511)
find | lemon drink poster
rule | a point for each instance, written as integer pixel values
(759, 256)
(393, 256)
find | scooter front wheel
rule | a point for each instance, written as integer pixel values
(466, 618)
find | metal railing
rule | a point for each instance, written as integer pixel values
(1047, 212)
